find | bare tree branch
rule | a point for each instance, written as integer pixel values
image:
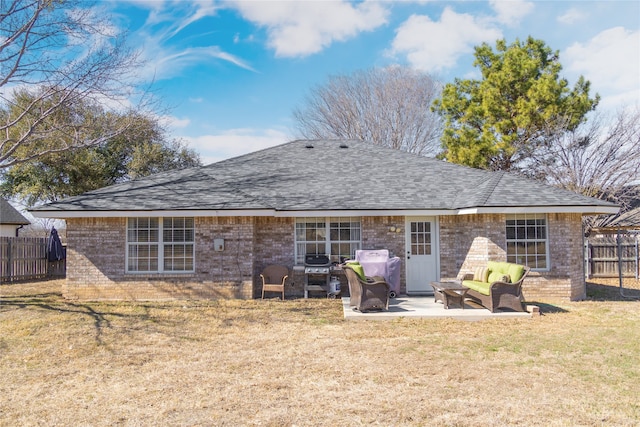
(385, 106)
(600, 159)
(62, 52)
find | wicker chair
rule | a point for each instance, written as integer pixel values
(367, 295)
(273, 279)
(502, 295)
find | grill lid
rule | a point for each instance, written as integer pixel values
(317, 260)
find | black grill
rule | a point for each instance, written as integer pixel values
(317, 260)
(317, 270)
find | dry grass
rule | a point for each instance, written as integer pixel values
(298, 363)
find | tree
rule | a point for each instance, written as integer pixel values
(496, 122)
(141, 150)
(55, 54)
(600, 158)
(385, 106)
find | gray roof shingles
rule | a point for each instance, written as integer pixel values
(293, 177)
(10, 215)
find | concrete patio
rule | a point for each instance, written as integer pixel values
(424, 307)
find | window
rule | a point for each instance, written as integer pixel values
(159, 245)
(527, 241)
(338, 237)
(420, 238)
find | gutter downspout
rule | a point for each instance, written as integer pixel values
(18, 229)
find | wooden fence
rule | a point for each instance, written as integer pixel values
(601, 255)
(25, 258)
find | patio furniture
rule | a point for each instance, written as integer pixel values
(449, 292)
(366, 293)
(273, 279)
(498, 285)
(377, 262)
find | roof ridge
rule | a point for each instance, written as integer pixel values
(492, 184)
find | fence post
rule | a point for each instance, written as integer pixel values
(636, 257)
(10, 265)
(585, 257)
(588, 258)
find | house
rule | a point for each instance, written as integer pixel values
(208, 232)
(11, 221)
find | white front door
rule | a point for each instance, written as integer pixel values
(422, 254)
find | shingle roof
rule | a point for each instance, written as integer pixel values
(629, 219)
(326, 175)
(10, 215)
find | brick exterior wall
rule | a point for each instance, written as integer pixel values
(96, 256)
(96, 263)
(377, 234)
(274, 244)
(469, 241)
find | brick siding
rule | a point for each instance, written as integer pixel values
(96, 256)
(96, 263)
(467, 242)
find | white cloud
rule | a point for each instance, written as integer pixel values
(180, 13)
(611, 61)
(165, 62)
(235, 142)
(436, 45)
(166, 20)
(174, 122)
(511, 12)
(303, 28)
(571, 16)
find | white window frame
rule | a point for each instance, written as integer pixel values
(527, 229)
(162, 243)
(322, 240)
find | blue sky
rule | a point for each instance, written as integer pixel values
(232, 72)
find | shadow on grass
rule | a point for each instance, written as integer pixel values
(606, 292)
(53, 301)
(546, 307)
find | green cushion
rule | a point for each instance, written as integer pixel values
(502, 267)
(516, 271)
(355, 266)
(495, 276)
(481, 287)
(493, 266)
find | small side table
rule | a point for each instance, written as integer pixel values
(449, 292)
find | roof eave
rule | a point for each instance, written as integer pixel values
(583, 210)
(64, 214)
